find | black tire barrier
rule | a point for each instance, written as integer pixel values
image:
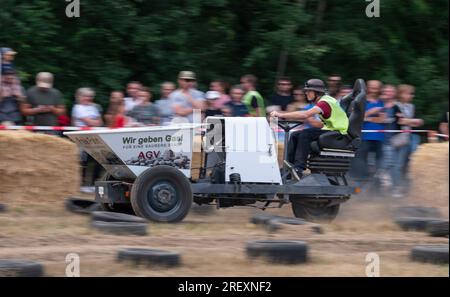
(262, 218)
(414, 223)
(120, 228)
(106, 216)
(438, 228)
(277, 223)
(150, 257)
(416, 212)
(279, 251)
(3, 207)
(20, 268)
(437, 254)
(81, 206)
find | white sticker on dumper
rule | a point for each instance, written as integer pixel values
(141, 150)
(126, 153)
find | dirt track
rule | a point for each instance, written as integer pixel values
(37, 227)
(214, 245)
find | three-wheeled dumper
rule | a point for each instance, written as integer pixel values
(150, 168)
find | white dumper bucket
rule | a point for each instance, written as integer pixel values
(127, 152)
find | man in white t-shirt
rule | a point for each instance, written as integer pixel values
(131, 100)
(186, 99)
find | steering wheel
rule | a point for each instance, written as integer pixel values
(288, 125)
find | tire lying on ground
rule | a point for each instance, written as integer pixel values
(120, 228)
(149, 257)
(81, 206)
(414, 223)
(277, 223)
(437, 254)
(20, 268)
(262, 218)
(2, 208)
(438, 228)
(106, 216)
(416, 211)
(279, 251)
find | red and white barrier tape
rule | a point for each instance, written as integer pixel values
(71, 128)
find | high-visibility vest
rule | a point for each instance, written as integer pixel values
(247, 100)
(338, 120)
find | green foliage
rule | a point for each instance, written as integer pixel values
(151, 41)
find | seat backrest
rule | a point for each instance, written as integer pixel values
(357, 108)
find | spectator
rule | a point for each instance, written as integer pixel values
(211, 109)
(116, 102)
(186, 99)
(219, 86)
(299, 102)
(115, 98)
(118, 117)
(404, 143)
(11, 98)
(372, 142)
(145, 113)
(345, 90)
(252, 98)
(7, 59)
(44, 104)
(86, 114)
(132, 92)
(388, 95)
(236, 108)
(334, 82)
(283, 96)
(164, 104)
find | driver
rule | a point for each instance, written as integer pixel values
(330, 113)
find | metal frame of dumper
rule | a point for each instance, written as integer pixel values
(162, 193)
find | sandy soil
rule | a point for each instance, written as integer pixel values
(37, 227)
(214, 245)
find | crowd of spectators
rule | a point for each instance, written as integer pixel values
(388, 107)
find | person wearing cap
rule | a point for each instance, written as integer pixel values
(252, 98)
(186, 98)
(43, 102)
(11, 98)
(7, 59)
(211, 99)
(330, 113)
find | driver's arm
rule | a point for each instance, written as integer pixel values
(297, 115)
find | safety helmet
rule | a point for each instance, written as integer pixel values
(315, 84)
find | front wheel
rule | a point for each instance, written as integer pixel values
(162, 194)
(315, 213)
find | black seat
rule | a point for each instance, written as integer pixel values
(354, 105)
(332, 152)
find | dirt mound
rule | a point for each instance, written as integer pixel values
(36, 168)
(429, 173)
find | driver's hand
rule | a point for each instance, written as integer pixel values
(274, 114)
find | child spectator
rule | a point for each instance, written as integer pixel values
(236, 108)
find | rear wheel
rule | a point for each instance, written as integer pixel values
(162, 194)
(315, 213)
